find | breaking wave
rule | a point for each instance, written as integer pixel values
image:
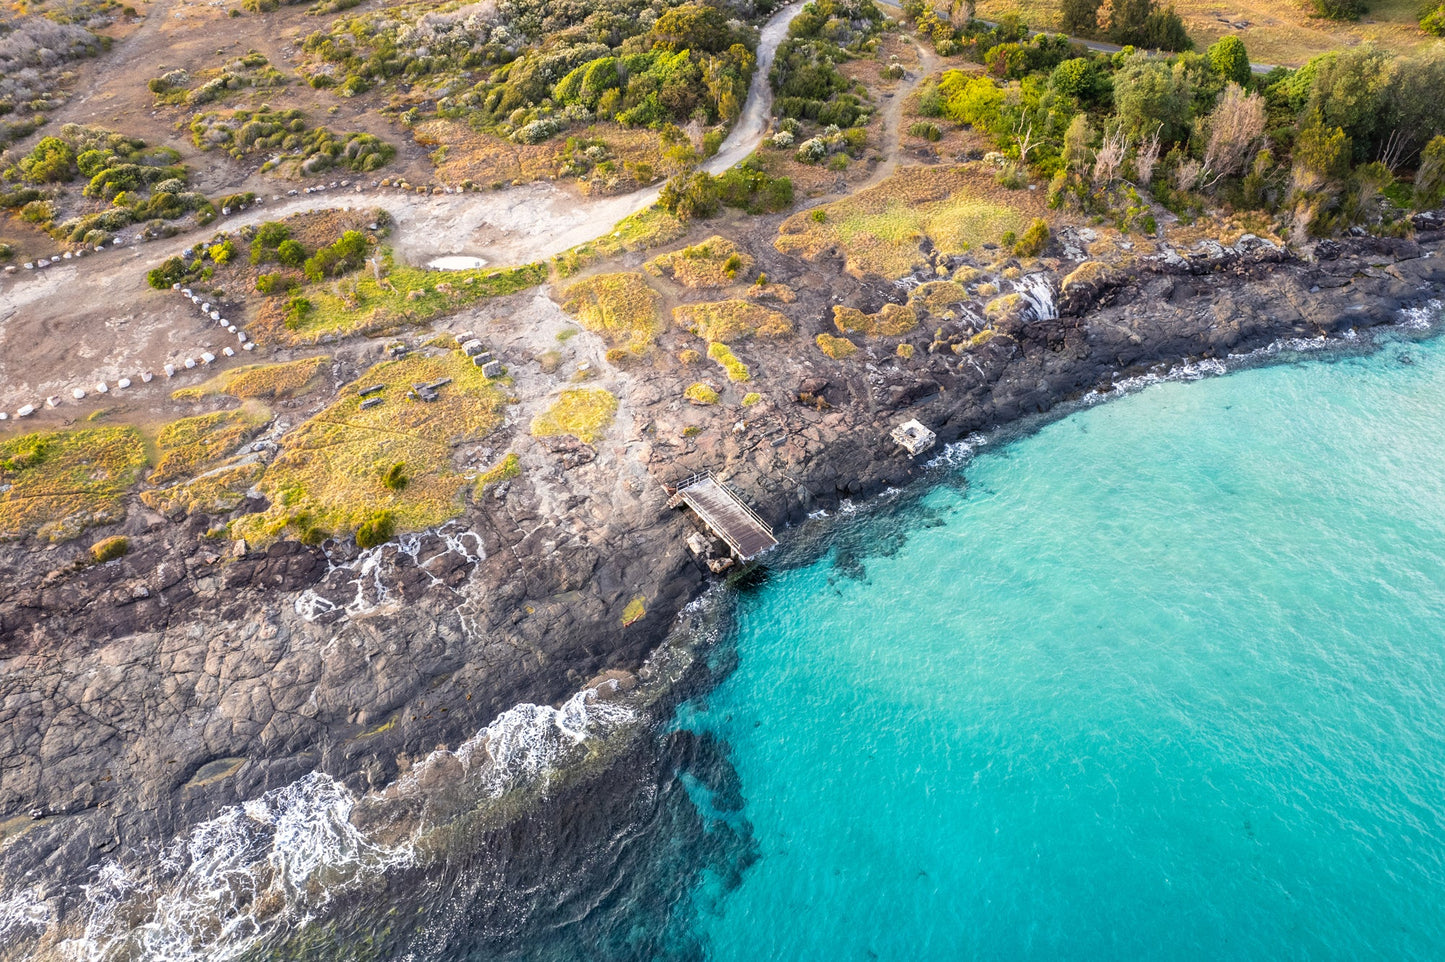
(264, 870)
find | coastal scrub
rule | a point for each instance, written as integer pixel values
(892, 320)
(835, 347)
(185, 446)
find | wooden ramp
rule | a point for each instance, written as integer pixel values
(725, 515)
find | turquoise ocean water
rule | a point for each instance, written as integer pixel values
(1163, 680)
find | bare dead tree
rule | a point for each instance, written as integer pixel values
(1024, 138)
(1393, 151)
(1110, 157)
(1148, 156)
(1235, 128)
(1187, 174)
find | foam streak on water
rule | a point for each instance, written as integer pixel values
(275, 864)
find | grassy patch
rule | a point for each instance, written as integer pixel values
(215, 492)
(936, 297)
(892, 321)
(504, 470)
(329, 476)
(263, 381)
(621, 307)
(641, 231)
(731, 320)
(584, 413)
(58, 484)
(108, 549)
(635, 611)
(736, 369)
(716, 262)
(701, 393)
(881, 230)
(366, 304)
(837, 348)
(187, 445)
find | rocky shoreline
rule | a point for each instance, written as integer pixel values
(144, 694)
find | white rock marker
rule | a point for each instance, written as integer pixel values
(78, 394)
(102, 388)
(146, 377)
(25, 411)
(123, 383)
(53, 401)
(190, 363)
(207, 357)
(170, 370)
(228, 352)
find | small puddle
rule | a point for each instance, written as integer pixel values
(455, 262)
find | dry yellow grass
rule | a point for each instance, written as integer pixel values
(641, 231)
(636, 157)
(264, 381)
(837, 348)
(881, 230)
(584, 413)
(622, 307)
(187, 445)
(716, 262)
(214, 492)
(724, 356)
(935, 297)
(777, 293)
(701, 393)
(1280, 32)
(57, 484)
(732, 320)
(892, 321)
(504, 470)
(329, 474)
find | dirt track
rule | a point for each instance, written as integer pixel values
(92, 320)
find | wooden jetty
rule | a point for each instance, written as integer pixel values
(725, 515)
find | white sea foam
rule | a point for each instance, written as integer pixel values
(273, 864)
(1191, 371)
(958, 453)
(1038, 291)
(1423, 317)
(360, 585)
(24, 910)
(527, 743)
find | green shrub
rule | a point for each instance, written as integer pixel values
(1340, 9)
(376, 530)
(109, 549)
(1035, 239)
(927, 130)
(394, 478)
